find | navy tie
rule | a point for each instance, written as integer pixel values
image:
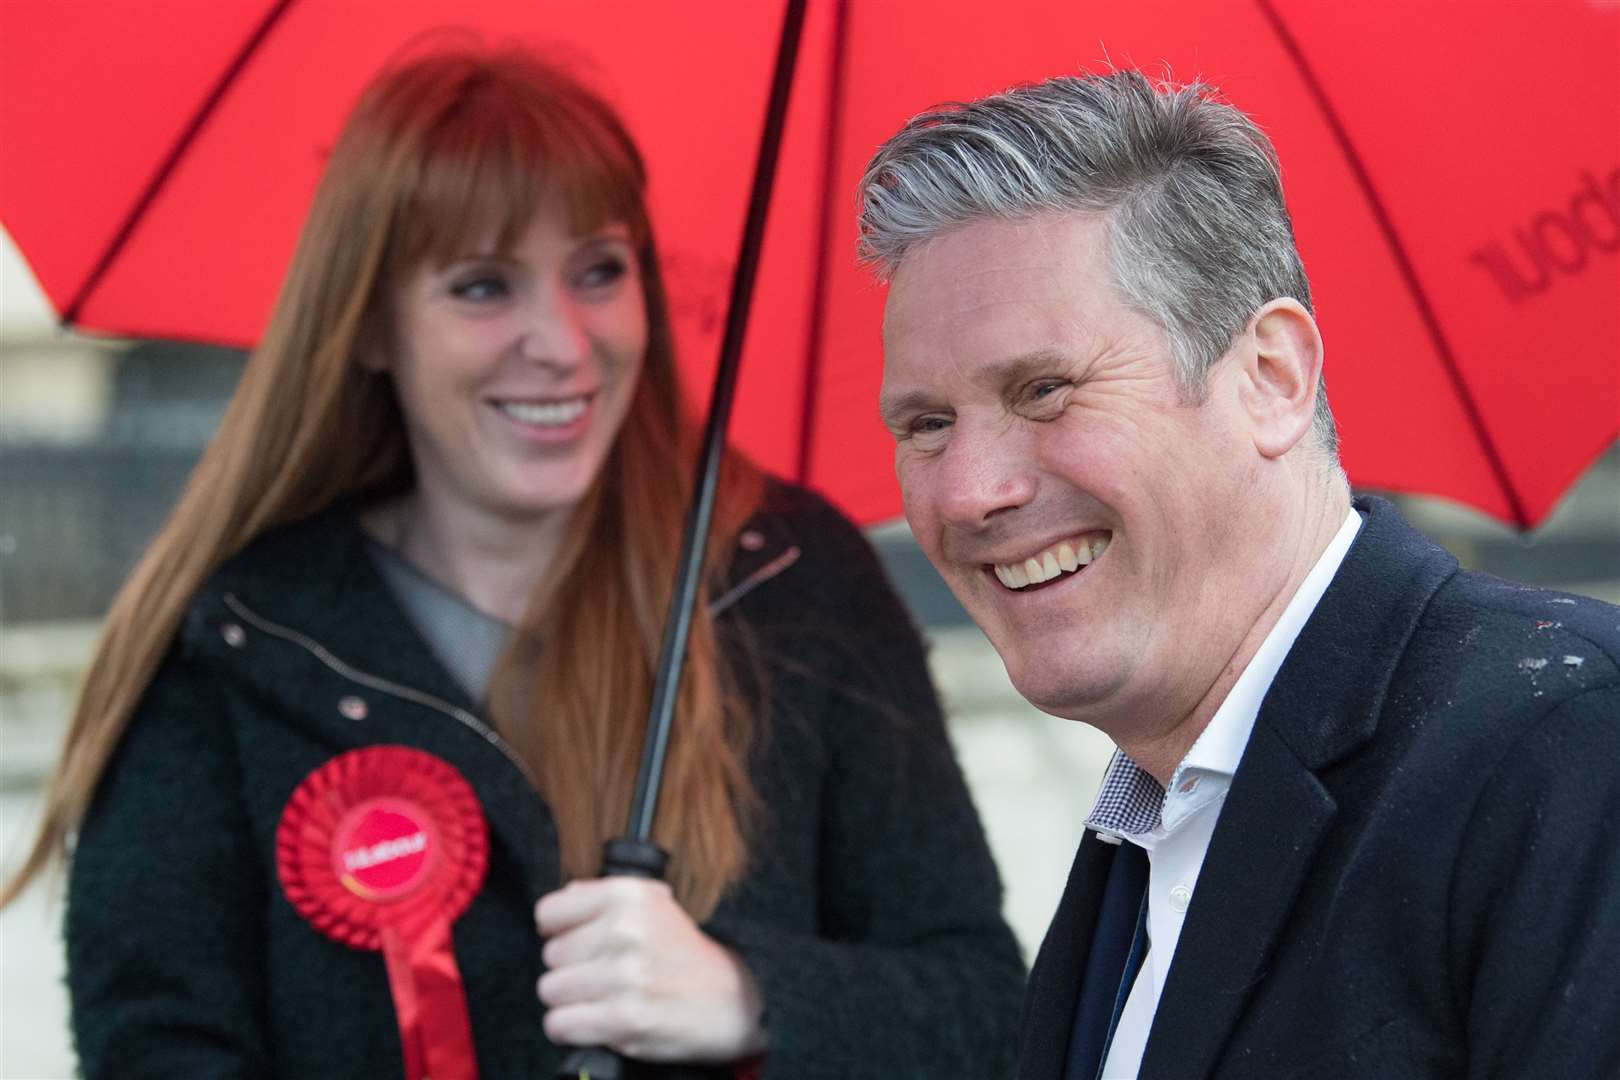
(1118, 945)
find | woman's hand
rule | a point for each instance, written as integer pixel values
(628, 969)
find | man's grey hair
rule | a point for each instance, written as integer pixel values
(1199, 236)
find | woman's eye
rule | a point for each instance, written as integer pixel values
(603, 272)
(481, 287)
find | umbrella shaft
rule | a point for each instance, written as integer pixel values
(644, 803)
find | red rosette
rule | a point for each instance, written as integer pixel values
(382, 848)
(381, 836)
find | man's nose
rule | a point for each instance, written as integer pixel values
(552, 329)
(984, 473)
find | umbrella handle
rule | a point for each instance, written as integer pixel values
(621, 857)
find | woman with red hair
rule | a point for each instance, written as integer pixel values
(380, 683)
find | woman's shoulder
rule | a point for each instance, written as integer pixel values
(297, 546)
(289, 569)
(806, 518)
(802, 550)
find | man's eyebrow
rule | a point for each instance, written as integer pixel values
(892, 407)
(1014, 369)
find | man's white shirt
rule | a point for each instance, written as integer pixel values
(1177, 837)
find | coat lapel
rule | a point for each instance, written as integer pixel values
(1273, 820)
(1322, 707)
(1054, 982)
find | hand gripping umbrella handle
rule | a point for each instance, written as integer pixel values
(623, 857)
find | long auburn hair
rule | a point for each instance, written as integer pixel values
(438, 150)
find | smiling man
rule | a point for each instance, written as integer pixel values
(1364, 817)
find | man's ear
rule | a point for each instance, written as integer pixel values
(1281, 370)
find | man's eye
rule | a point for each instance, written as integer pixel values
(481, 287)
(1042, 399)
(925, 426)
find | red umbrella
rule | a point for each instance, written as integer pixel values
(1453, 169)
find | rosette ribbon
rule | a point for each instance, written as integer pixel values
(383, 848)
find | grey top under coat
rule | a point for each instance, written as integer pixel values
(465, 640)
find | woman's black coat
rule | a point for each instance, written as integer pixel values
(870, 914)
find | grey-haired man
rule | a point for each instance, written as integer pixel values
(1364, 818)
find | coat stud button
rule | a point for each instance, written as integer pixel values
(234, 635)
(352, 707)
(751, 540)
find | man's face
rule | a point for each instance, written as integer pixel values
(1037, 418)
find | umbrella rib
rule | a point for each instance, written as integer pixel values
(819, 299)
(1386, 225)
(171, 160)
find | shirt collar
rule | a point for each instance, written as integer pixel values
(1131, 803)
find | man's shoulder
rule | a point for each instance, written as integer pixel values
(1437, 664)
(1500, 678)
(1406, 598)
(1501, 630)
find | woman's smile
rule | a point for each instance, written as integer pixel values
(552, 421)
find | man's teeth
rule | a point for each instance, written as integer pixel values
(1064, 558)
(544, 414)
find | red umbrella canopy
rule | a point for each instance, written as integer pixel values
(1453, 169)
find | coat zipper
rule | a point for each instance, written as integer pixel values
(754, 580)
(376, 682)
(455, 712)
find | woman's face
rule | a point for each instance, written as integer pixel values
(515, 371)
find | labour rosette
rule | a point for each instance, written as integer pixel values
(382, 848)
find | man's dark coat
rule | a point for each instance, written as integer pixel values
(1417, 869)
